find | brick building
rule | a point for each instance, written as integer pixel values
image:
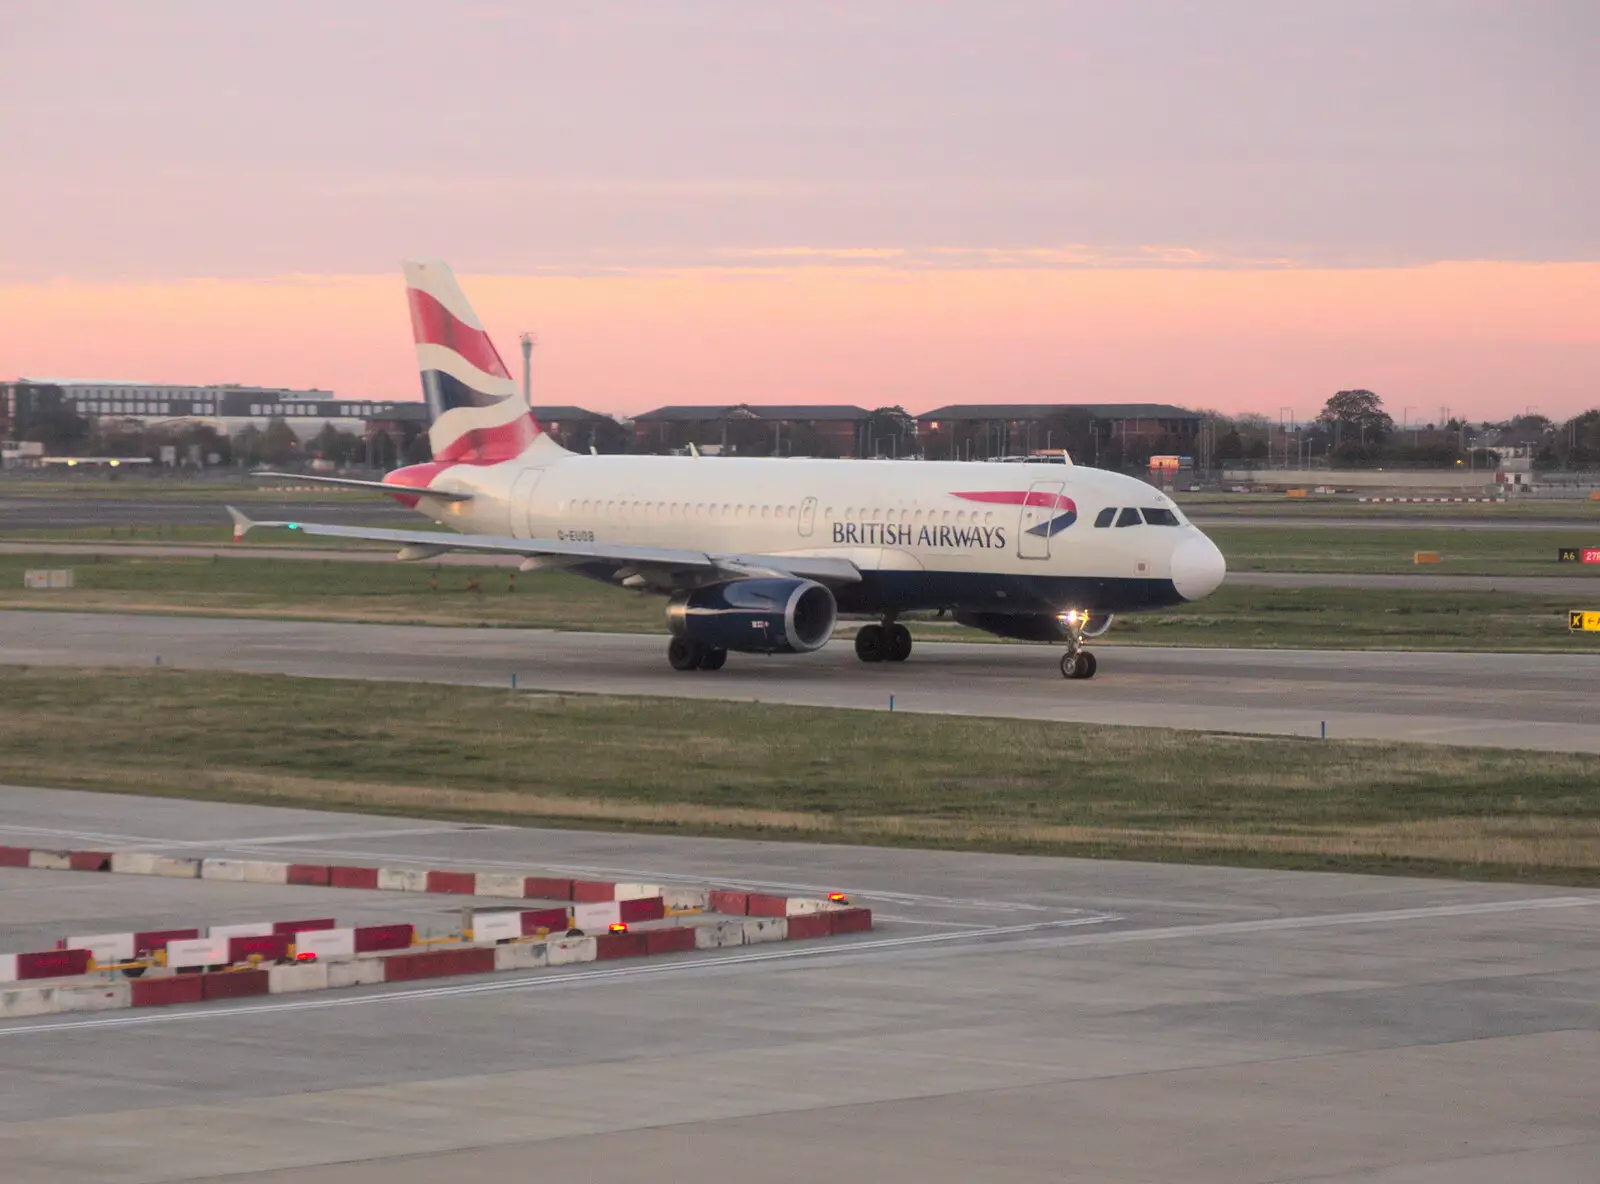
(1118, 433)
(745, 429)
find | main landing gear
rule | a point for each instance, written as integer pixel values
(684, 654)
(883, 643)
(1077, 662)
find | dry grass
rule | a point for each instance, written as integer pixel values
(746, 769)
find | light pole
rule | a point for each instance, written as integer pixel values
(528, 342)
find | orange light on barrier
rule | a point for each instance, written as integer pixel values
(307, 956)
(618, 927)
(838, 898)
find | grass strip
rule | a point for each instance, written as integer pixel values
(700, 767)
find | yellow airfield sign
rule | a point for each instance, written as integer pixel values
(1586, 622)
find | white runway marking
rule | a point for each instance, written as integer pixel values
(546, 981)
(875, 946)
(88, 836)
(250, 842)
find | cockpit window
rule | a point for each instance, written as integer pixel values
(1160, 517)
(1105, 516)
(1128, 517)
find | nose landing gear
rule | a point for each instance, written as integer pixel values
(1079, 665)
(1077, 662)
(883, 643)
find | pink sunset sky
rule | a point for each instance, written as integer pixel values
(1234, 204)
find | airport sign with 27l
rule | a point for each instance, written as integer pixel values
(1586, 622)
(1580, 555)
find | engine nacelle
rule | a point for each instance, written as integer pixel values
(1030, 626)
(773, 616)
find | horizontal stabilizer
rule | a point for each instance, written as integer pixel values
(376, 486)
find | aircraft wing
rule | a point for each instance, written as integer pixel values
(664, 563)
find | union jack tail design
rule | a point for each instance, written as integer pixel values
(477, 413)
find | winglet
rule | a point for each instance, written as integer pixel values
(241, 524)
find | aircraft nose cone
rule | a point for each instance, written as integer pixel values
(1197, 568)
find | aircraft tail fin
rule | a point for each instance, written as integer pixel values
(476, 412)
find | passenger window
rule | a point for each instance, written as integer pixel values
(1105, 517)
(1128, 517)
(1160, 517)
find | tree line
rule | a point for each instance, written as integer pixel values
(1355, 430)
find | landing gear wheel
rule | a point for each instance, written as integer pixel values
(714, 658)
(684, 654)
(897, 643)
(871, 645)
(1078, 665)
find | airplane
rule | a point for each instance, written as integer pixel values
(764, 555)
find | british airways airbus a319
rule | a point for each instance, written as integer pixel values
(764, 555)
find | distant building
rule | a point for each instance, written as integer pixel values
(228, 408)
(754, 430)
(580, 429)
(389, 427)
(1129, 432)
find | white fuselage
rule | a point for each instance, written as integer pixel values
(1024, 537)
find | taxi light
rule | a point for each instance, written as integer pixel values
(838, 898)
(618, 927)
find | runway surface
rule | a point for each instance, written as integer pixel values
(1580, 583)
(67, 513)
(1539, 701)
(1012, 1020)
(1388, 521)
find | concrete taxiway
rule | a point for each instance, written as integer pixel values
(68, 513)
(1414, 521)
(1013, 1020)
(1543, 701)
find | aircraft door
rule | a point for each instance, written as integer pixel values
(808, 517)
(1038, 515)
(522, 516)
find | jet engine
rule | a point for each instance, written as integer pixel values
(1030, 626)
(759, 616)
